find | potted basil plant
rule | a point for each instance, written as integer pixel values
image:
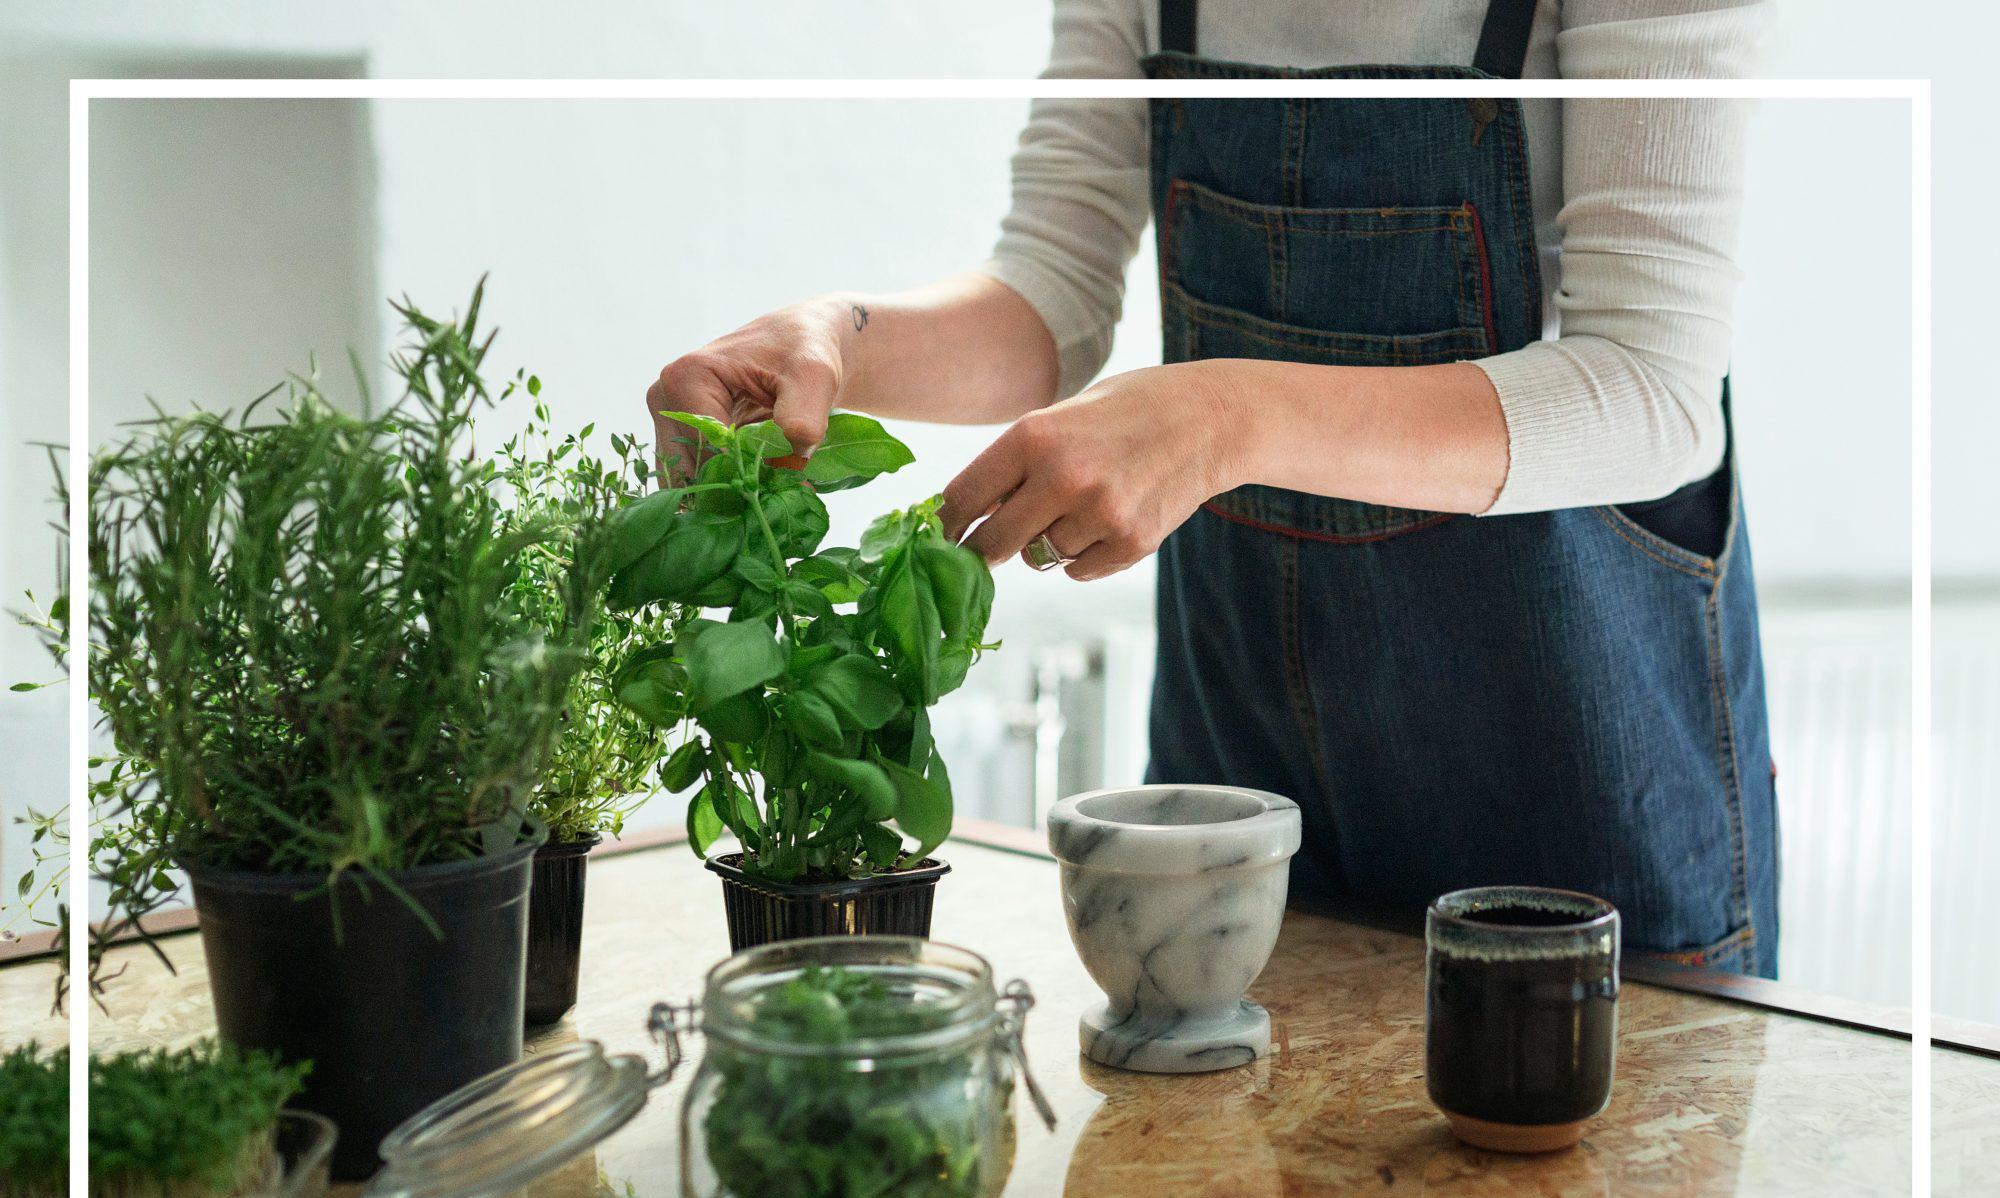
(311, 651)
(799, 678)
(605, 753)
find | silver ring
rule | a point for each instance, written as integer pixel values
(1042, 554)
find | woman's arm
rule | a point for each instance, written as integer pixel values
(968, 350)
(1623, 406)
(1109, 473)
(1033, 326)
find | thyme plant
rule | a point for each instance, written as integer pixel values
(605, 753)
(310, 639)
(804, 712)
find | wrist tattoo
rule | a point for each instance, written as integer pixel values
(860, 317)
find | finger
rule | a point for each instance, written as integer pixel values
(977, 491)
(1072, 535)
(1022, 517)
(684, 386)
(1099, 561)
(804, 399)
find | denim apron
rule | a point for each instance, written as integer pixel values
(1571, 698)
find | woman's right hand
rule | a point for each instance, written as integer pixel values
(787, 366)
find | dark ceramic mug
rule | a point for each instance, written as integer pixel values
(1520, 1014)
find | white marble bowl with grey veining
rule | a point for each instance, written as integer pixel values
(1174, 895)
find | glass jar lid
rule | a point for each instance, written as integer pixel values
(519, 1123)
(514, 1125)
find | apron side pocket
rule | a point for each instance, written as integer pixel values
(1731, 954)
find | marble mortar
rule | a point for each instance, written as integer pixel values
(1174, 895)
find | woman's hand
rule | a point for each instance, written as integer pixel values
(1106, 474)
(787, 366)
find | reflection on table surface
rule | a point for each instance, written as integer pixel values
(1711, 1098)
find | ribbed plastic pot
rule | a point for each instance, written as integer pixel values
(391, 1015)
(555, 929)
(762, 912)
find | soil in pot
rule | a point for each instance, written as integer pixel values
(390, 1014)
(890, 904)
(555, 929)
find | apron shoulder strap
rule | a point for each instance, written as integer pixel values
(1503, 39)
(1177, 26)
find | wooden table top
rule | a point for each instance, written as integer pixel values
(1712, 1097)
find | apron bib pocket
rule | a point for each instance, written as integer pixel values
(1358, 286)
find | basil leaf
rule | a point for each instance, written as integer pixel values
(740, 718)
(724, 660)
(908, 617)
(833, 577)
(718, 434)
(859, 688)
(649, 683)
(683, 767)
(723, 592)
(923, 804)
(759, 572)
(882, 537)
(809, 715)
(640, 524)
(754, 606)
(963, 587)
(922, 744)
(854, 450)
(762, 440)
(864, 778)
(884, 848)
(798, 520)
(703, 824)
(698, 549)
(954, 662)
(807, 599)
(807, 658)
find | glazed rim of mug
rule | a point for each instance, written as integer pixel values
(1449, 928)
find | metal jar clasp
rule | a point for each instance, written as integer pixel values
(666, 1024)
(1016, 1000)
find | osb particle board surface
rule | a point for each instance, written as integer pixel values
(1711, 1097)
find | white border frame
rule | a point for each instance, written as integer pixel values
(1917, 92)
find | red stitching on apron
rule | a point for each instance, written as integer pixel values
(1332, 538)
(1485, 281)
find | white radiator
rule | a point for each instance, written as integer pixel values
(1839, 680)
(1965, 820)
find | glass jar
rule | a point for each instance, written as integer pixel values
(837, 1066)
(852, 1065)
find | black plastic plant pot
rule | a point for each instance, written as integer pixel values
(891, 904)
(391, 1015)
(555, 929)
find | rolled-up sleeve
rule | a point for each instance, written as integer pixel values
(1625, 404)
(1079, 202)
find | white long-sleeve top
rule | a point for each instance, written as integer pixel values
(1636, 206)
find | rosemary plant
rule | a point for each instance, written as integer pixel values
(310, 638)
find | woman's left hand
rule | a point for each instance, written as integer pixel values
(1106, 474)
